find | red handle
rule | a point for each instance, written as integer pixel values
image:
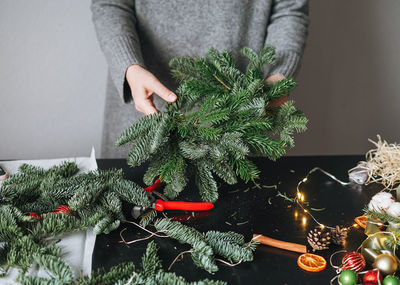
(154, 186)
(161, 205)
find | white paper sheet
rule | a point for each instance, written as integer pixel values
(77, 247)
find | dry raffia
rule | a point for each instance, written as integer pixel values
(383, 164)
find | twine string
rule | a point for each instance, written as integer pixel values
(228, 263)
(180, 255)
(152, 234)
(330, 259)
(131, 278)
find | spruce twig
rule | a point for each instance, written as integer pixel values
(384, 217)
(222, 116)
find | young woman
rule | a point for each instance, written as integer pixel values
(140, 37)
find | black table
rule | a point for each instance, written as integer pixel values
(247, 210)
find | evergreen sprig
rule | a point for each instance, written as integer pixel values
(205, 247)
(384, 217)
(230, 245)
(221, 117)
(94, 197)
(151, 272)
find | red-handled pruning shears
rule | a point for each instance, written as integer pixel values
(162, 204)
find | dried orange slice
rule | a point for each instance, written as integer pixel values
(311, 262)
(361, 221)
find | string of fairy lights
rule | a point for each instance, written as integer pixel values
(300, 198)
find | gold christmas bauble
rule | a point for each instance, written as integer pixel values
(386, 263)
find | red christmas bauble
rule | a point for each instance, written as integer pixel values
(353, 261)
(371, 277)
(64, 210)
(34, 216)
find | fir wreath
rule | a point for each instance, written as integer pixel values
(221, 117)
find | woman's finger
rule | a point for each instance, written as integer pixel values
(163, 91)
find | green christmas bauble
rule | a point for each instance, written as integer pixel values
(391, 280)
(348, 277)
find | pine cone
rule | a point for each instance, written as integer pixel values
(339, 235)
(319, 239)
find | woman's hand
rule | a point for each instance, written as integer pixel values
(273, 79)
(143, 85)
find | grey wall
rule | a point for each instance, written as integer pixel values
(349, 85)
(52, 78)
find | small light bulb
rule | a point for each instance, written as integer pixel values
(299, 195)
(304, 221)
(305, 179)
(305, 211)
(296, 214)
(302, 198)
(355, 225)
(322, 226)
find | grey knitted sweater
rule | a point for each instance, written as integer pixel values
(151, 32)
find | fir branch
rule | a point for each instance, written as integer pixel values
(230, 237)
(139, 129)
(160, 135)
(222, 115)
(154, 169)
(56, 266)
(116, 273)
(96, 199)
(141, 152)
(273, 149)
(55, 224)
(177, 184)
(130, 192)
(224, 171)
(203, 256)
(232, 252)
(151, 263)
(206, 184)
(148, 217)
(183, 68)
(176, 230)
(246, 169)
(175, 163)
(280, 88)
(229, 245)
(106, 225)
(384, 217)
(193, 151)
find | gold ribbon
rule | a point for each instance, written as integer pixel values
(378, 243)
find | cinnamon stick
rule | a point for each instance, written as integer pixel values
(280, 244)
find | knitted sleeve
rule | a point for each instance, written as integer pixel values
(287, 31)
(115, 24)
